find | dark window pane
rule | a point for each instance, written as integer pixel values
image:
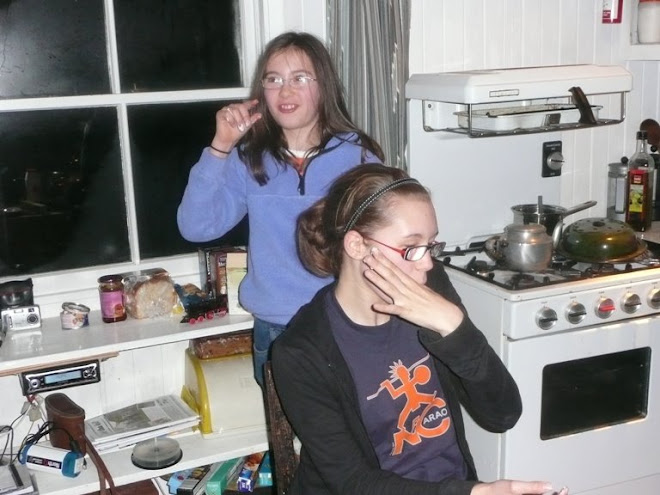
(174, 45)
(166, 141)
(52, 48)
(61, 192)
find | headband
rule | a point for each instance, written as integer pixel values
(367, 202)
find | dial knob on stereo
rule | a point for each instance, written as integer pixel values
(576, 312)
(631, 303)
(605, 307)
(654, 299)
(546, 318)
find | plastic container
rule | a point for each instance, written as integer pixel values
(648, 21)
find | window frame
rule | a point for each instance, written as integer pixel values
(80, 285)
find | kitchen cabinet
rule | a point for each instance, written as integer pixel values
(51, 345)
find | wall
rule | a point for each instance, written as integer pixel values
(486, 34)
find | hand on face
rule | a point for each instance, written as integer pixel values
(404, 297)
(509, 487)
(232, 122)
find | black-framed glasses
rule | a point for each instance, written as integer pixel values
(277, 82)
(416, 253)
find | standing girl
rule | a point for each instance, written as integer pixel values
(271, 157)
(372, 372)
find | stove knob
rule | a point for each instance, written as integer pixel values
(631, 303)
(605, 307)
(546, 318)
(654, 299)
(576, 312)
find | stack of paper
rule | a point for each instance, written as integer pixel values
(15, 480)
(142, 421)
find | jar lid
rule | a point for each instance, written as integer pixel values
(110, 278)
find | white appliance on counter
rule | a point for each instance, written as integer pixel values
(579, 339)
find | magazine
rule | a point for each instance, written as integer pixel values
(164, 414)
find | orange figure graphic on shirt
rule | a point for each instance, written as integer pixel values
(410, 378)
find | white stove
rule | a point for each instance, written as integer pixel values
(579, 341)
(567, 296)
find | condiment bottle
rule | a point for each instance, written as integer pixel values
(641, 158)
(111, 292)
(648, 21)
(639, 213)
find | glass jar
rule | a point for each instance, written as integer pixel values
(111, 292)
(617, 190)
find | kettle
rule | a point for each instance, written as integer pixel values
(523, 248)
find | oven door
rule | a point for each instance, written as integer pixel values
(590, 405)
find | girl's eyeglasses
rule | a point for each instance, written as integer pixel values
(277, 82)
(416, 253)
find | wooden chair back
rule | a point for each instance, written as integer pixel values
(280, 436)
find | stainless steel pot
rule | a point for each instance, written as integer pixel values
(523, 248)
(548, 215)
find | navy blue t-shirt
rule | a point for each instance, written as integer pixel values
(401, 399)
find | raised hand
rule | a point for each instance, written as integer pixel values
(231, 123)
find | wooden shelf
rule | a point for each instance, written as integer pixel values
(51, 345)
(197, 451)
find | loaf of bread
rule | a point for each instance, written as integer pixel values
(149, 296)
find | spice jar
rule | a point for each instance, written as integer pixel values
(111, 292)
(648, 21)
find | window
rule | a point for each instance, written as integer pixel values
(104, 107)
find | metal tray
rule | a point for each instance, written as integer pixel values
(522, 117)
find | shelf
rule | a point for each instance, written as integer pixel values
(477, 133)
(50, 345)
(197, 451)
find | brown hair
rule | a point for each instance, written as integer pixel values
(322, 227)
(266, 134)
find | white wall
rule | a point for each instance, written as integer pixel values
(485, 34)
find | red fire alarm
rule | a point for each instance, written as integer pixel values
(612, 11)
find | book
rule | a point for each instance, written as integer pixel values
(140, 421)
(195, 482)
(15, 480)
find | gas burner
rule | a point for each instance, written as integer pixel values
(481, 267)
(523, 281)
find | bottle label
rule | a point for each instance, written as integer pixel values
(636, 202)
(112, 304)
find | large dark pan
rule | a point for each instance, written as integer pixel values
(599, 240)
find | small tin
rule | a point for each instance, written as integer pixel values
(74, 316)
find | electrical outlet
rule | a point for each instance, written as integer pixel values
(553, 160)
